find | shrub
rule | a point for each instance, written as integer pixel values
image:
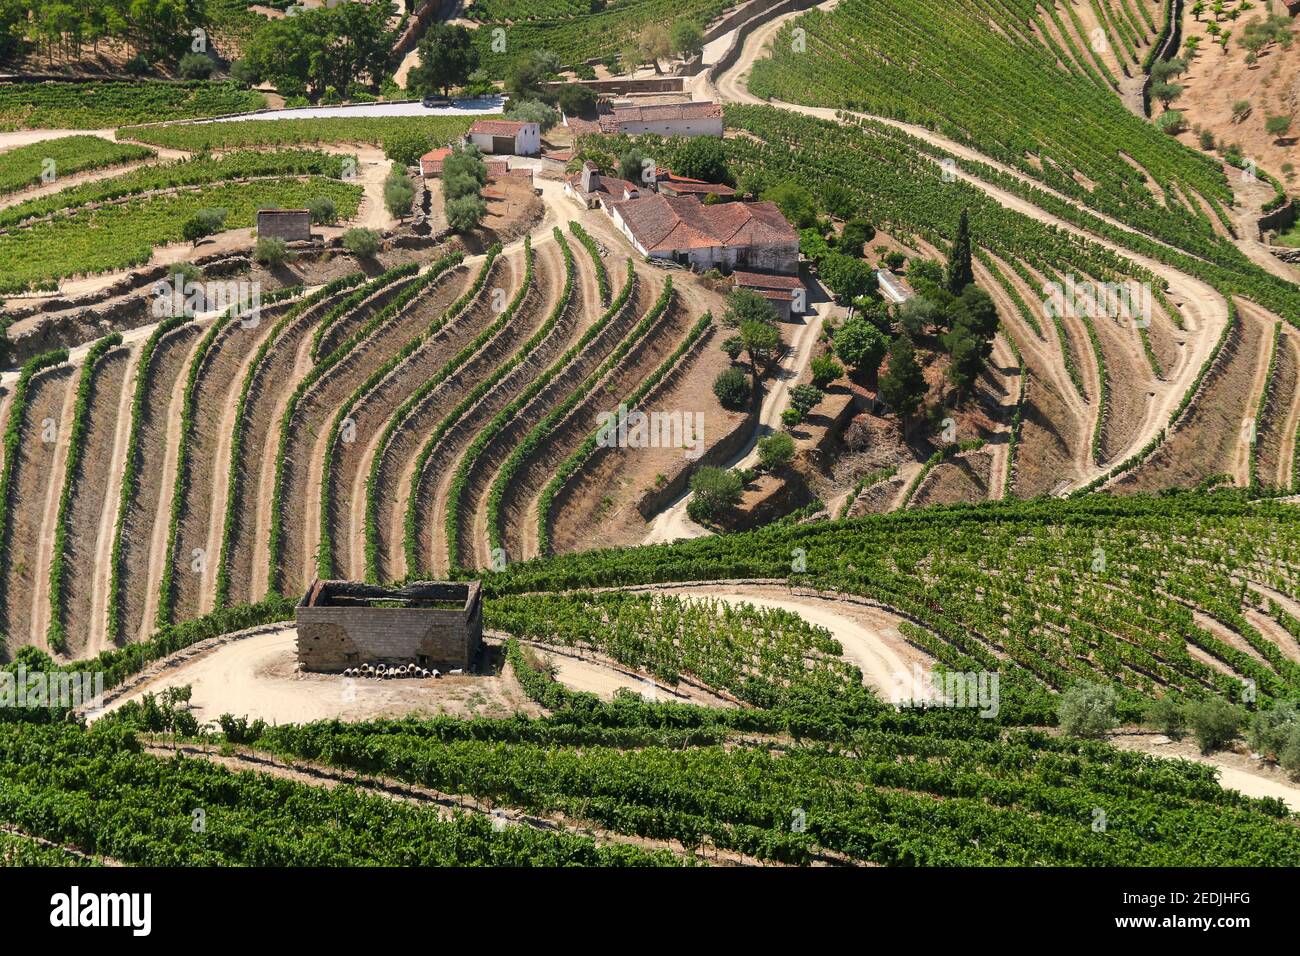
(1166, 715)
(203, 223)
(733, 345)
(861, 345)
(775, 450)
(713, 492)
(1271, 729)
(791, 417)
(1214, 723)
(1087, 710)
(465, 212)
(323, 211)
(732, 388)
(857, 233)
(534, 111)
(399, 194)
(244, 73)
(804, 398)
(270, 250)
(195, 66)
(362, 243)
(825, 370)
(1172, 122)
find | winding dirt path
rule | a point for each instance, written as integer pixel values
(158, 556)
(40, 596)
(97, 626)
(1204, 310)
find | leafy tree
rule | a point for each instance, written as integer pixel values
(654, 44)
(362, 243)
(1166, 715)
(857, 233)
(686, 38)
(967, 359)
(270, 250)
(923, 271)
(746, 305)
(1271, 729)
(321, 48)
(732, 388)
(204, 223)
(576, 100)
(447, 58)
(861, 345)
(795, 202)
(825, 370)
(323, 210)
(762, 339)
(525, 78)
(635, 164)
(1277, 126)
(465, 212)
(533, 111)
(1214, 723)
(960, 272)
(702, 157)
(775, 451)
(876, 314)
(713, 492)
(1086, 710)
(399, 194)
(902, 386)
(1166, 93)
(846, 276)
(242, 71)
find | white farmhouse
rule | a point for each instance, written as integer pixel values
(506, 136)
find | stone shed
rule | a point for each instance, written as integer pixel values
(345, 624)
(291, 225)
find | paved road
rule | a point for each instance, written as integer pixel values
(486, 106)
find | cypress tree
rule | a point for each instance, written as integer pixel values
(960, 272)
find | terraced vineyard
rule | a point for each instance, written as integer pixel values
(1118, 530)
(221, 459)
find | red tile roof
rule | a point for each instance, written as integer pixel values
(431, 162)
(773, 287)
(497, 127)
(659, 113)
(669, 223)
(764, 280)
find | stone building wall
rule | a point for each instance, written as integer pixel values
(332, 638)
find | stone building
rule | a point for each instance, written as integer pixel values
(345, 624)
(291, 225)
(752, 236)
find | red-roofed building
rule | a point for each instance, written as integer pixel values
(506, 136)
(665, 119)
(785, 293)
(431, 162)
(670, 184)
(726, 236)
(591, 188)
